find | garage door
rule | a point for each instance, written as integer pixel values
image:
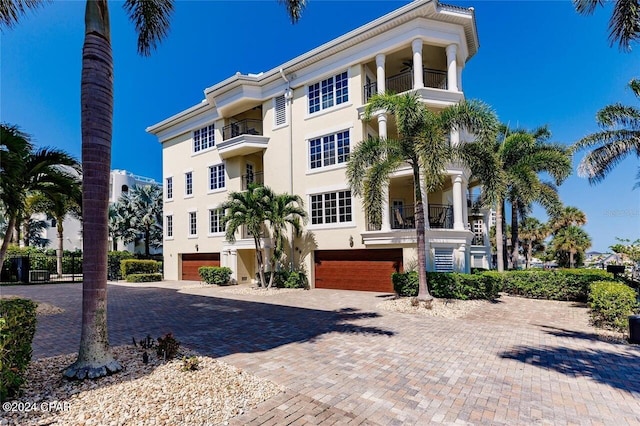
(191, 263)
(365, 270)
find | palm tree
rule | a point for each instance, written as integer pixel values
(284, 209)
(619, 138)
(422, 142)
(248, 209)
(568, 216)
(571, 239)
(532, 233)
(58, 203)
(141, 210)
(24, 171)
(624, 25)
(151, 19)
(509, 168)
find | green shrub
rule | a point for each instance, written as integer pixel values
(215, 275)
(280, 277)
(167, 346)
(134, 266)
(611, 303)
(297, 279)
(17, 327)
(114, 258)
(450, 285)
(561, 284)
(143, 278)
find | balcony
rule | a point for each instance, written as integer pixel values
(256, 178)
(241, 138)
(403, 82)
(403, 217)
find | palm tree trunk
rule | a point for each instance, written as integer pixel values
(147, 237)
(571, 264)
(423, 285)
(94, 356)
(7, 238)
(260, 261)
(499, 236)
(60, 248)
(529, 253)
(515, 247)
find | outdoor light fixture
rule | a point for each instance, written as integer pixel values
(196, 247)
(350, 240)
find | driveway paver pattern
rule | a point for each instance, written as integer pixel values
(342, 360)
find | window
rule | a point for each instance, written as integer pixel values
(280, 107)
(332, 207)
(203, 138)
(327, 93)
(124, 189)
(188, 183)
(169, 186)
(216, 177)
(328, 150)
(215, 221)
(169, 226)
(193, 225)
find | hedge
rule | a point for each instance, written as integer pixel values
(134, 266)
(219, 275)
(17, 327)
(451, 285)
(561, 284)
(286, 279)
(611, 304)
(114, 259)
(143, 278)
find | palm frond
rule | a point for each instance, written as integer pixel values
(619, 115)
(587, 7)
(599, 162)
(12, 10)
(152, 21)
(294, 8)
(624, 25)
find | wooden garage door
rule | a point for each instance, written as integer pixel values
(365, 270)
(191, 263)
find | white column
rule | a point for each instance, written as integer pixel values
(380, 75)
(459, 80)
(454, 137)
(465, 205)
(452, 68)
(418, 81)
(386, 215)
(233, 264)
(458, 224)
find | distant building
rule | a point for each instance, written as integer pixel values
(120, 181)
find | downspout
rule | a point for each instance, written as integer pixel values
(288, 96)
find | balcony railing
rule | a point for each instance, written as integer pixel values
(441, 216)
(478, 240)
(404, 217)
(247, 126)
(404, 81)
(249, 178)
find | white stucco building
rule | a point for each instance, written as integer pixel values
(120, 181)
(293, 127)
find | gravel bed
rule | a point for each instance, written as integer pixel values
(157, 393)
(448, 308)
(260, 291)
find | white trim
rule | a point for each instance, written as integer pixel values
(330, 130)
(329, 110)
(331, 188)
(323, 169)
(336, 225)
(275, 112)
(336, 165)
(202, 151)
(223, 163)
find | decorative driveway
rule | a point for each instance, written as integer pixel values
(342, 360)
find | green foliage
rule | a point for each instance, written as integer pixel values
(168, 346)
(297, 279)
(611, 303)
(449, 285)
(215, 275)
(144, 278)
(114, 258)
(190, 364)
(17, 328)
(134, 266)
(562, 284)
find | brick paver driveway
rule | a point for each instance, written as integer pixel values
(342, 360)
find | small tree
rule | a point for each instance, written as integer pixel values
(572, 240)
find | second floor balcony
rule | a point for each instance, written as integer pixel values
(243, 127)
(440, 216)
(252, 178)
(403, 82)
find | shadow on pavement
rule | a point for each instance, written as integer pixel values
(620, 370)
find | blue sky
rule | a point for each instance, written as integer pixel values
(538, 63)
